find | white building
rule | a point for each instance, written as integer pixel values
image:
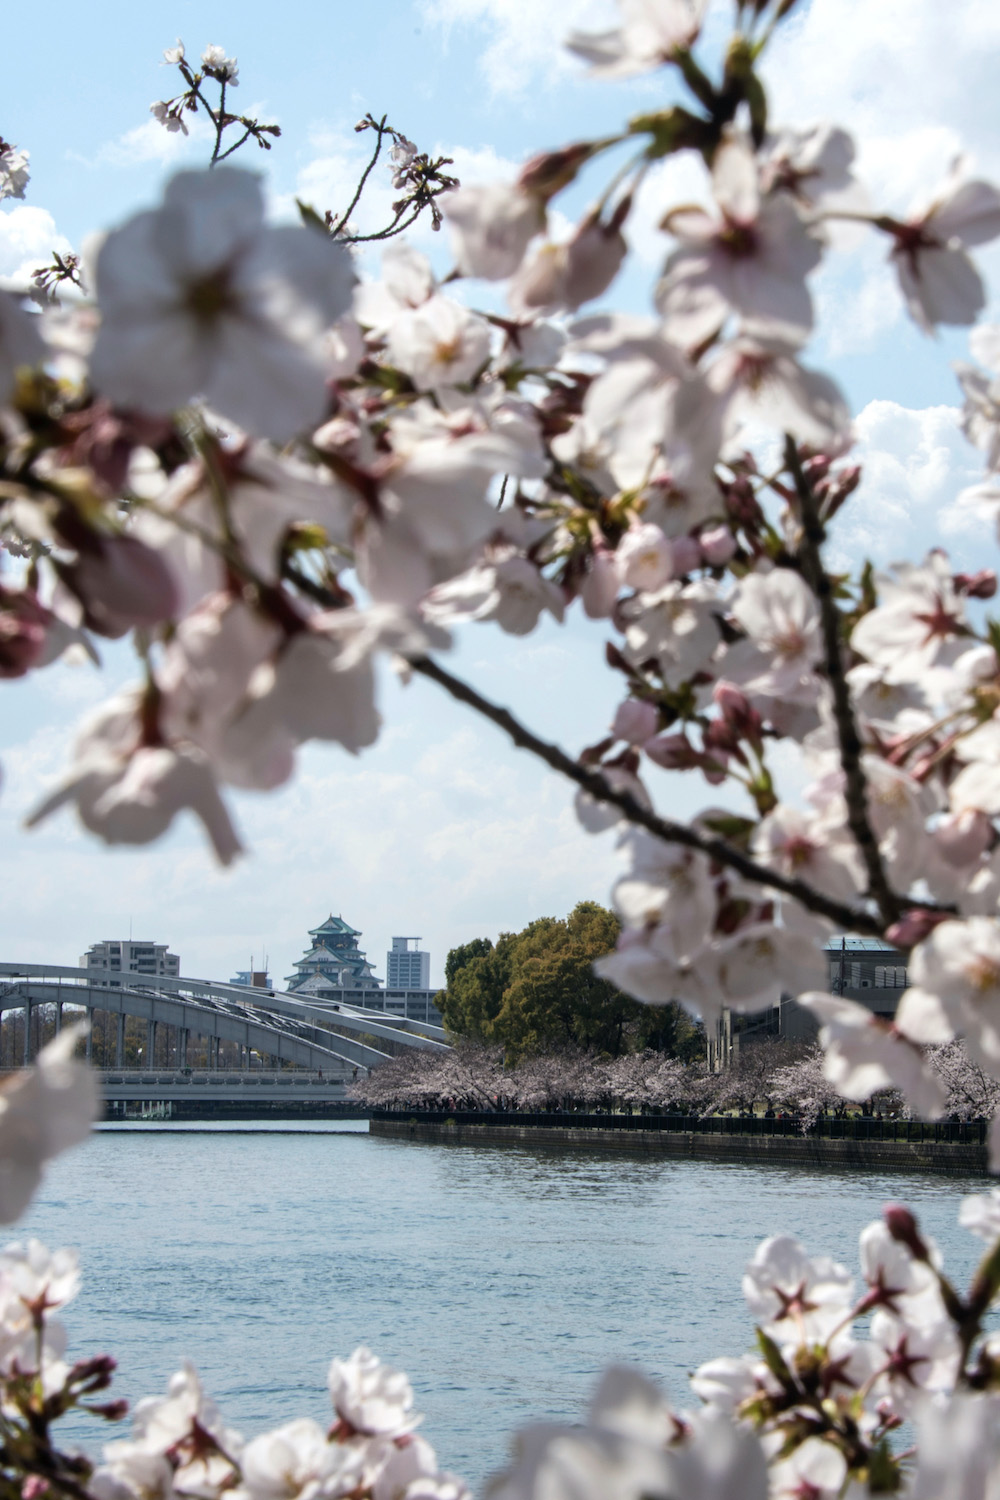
(132, 958)
(407, 968)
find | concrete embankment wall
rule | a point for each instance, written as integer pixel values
(783, 1150)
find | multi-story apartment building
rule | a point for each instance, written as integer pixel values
(407, 968)
(133, 958)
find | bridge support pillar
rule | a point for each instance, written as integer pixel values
(120, 1041)
(27, 1032)
(59, 1006)
(90, 1033)
(182, 1046)
(151, 1044)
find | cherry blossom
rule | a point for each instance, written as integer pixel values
(938, 278)
(129, 793)
(864, 1055)
(919, 625)
(200, 299)
(762, 381)
(493, 224)
(955, 974)
(563, 276)
(751, 259)
(794, 1298)
(371, 1398)
(505, 587)
(650, 33)
(781, 618)
(13, 171)
(438, 343)
(297, 1462)
(43, 1112)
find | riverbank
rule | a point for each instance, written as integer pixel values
(923, 1152)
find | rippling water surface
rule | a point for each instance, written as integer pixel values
(501, 1279)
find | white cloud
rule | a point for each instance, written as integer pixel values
(524, 38)
(151, 142)
(915, 463)
(28, 236)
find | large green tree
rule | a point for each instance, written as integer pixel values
(536, 990)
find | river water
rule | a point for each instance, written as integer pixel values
(502, 1279)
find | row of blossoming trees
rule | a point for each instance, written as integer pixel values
(216, 441)
(776, 1075)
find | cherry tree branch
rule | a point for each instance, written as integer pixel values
(855, 784)
(850, 918)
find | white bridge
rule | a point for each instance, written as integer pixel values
(202, 1040)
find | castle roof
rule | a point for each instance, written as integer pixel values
(334, 925)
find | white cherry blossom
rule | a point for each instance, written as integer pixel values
(505, 587)
(795, 1298)
(13, 172)
(492, 224)
(127, 792)
(779, 613)
(43, 1112)
(371, 1398)
(676, 625)
(650, 32)
(750, 259)
(863, 1055)
(814, 1468)
(955, 986)
(938, 278)
(762, 382)
(200, 298)
(439, 343)
(919, 624)
(298, 1462)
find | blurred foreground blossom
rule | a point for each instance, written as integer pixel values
(200, 298)
(42, 1112)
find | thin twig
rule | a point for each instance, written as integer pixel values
(848, 739)
(381, 132)
(850, 918)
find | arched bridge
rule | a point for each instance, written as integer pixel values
(186, 1022)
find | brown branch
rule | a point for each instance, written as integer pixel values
(850, 918)
(855, 784)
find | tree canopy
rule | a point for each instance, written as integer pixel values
(536, 990)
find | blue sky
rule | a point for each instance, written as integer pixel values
(440, 830)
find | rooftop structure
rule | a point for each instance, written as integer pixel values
(407, 968)
(257, 979)
(333, 961)
(131, 957)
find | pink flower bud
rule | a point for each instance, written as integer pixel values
(593, 258)
(599, 589)
(122, 584)
(685, 555)
(635, 722)
(673, 752)
(718, 545)
(981, 585)
(550, 171)
(23, 623)
(903, 1227)
(912, 927)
